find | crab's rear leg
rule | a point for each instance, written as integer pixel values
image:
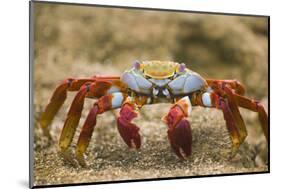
(92, 90)
(228, 89)
(232, 116)
(57, 101)
(255, 106)
(233, 105)
(105, 103)
(95, 89)
(231, 124)
(179, 131)
(236, 99)
(233, 84)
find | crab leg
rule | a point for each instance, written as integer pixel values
(255, 106)
(60, 95)
(105, 103)
(233, 105)
(224, 90)
(129, 131)
(231, 125)
(227, 88)
(244, 102)
(70, 84)
(230, 112)
(58, 99)
(95, 90)
(76, 108)
(179, 131)
(233, 84)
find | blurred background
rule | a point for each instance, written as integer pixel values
(215, 46)
(80, 41)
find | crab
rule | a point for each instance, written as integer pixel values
(150, 82)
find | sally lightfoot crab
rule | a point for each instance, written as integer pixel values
(150, 82)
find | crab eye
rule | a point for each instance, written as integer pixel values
(136, 64)
(182, 67)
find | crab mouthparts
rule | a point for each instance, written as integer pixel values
(160, 92)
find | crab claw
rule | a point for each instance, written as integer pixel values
(179, 132)
(128, 131)
(180, 138)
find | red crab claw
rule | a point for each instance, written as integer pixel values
(128, 131)
(179, 132)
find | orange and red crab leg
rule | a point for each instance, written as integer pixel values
(179, 131)
(244, 102)
(233, 84)
(105, 103)
(92, 90)
(226, 100)
(58, 99)
(129, 131)
(214, 100)
(228, 88)
(60, 95)
(224, 90)
(255, 106)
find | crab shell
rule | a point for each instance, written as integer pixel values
(162, 79)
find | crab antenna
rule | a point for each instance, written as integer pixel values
(136, 64)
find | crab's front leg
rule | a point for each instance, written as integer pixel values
(179, 131)
(105, 103)
(129, 131)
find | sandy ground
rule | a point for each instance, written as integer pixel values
(110, 159)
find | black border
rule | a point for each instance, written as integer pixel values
(31, 28)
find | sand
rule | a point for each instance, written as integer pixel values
(109, 159)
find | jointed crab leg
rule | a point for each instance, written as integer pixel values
(105, 103)
(233, 84)
(231, 125)
(75, 110)
(58, 99)
(70, 84)
(224, 90)
(94, 90)
(230, 112)
(256, 107)
(179, 131)
(222, 87)
(233, 105)
(225, 99)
